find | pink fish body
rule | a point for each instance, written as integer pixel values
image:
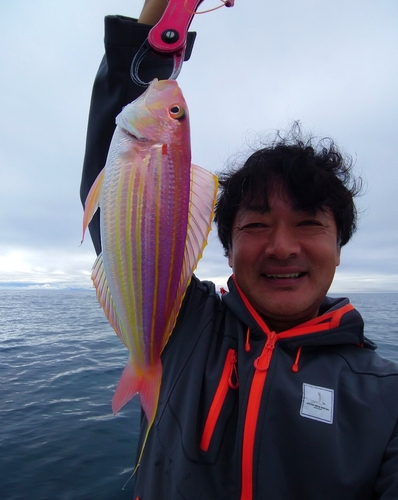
(156, 213)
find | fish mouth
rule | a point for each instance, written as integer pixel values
(133, 134)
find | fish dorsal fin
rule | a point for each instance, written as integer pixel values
(203, 193)
(204, 186)
(92, 201)
(104, 296)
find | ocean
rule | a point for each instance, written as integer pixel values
(60, 362)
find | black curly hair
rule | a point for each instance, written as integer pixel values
(312, 175)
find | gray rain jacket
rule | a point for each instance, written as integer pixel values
(244, 413)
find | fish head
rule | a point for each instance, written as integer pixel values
(159, 115)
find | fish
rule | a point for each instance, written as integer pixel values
(156, 214)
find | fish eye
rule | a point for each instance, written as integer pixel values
(176, 112)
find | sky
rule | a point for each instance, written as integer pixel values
(256, 68)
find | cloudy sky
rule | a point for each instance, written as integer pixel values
(256, 68)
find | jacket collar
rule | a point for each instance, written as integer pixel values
(338, 322)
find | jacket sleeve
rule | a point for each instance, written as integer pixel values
(387, 481)
(112, 90)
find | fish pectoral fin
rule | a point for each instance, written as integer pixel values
(104, 296)
(144, 382)
(92, 201)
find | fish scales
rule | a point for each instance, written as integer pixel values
(152, 192)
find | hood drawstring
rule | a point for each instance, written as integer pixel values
(295, 367)
(247, 343)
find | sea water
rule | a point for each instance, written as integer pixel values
(60, 362)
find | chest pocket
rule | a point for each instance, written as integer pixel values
(200, 415)
(197, 429)
(228, 382)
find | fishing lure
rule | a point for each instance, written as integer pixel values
(168, 37)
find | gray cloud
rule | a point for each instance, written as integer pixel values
(256, 67)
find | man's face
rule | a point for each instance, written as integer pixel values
(284, 261)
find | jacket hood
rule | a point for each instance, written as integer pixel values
(338, 322)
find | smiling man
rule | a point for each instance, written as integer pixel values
(271, 390)
(281, 219)
(284, 261)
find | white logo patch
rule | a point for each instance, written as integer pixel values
(317, 403)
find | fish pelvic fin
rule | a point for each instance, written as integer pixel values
(92, 201)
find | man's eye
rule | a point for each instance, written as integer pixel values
(253, 225)
(310, 222)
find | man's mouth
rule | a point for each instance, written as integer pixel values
(284, 276)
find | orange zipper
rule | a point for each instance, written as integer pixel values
(261, 365)
(229, 380)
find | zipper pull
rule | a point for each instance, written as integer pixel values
(263, 361)
(234, 372)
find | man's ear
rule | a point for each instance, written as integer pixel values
(229, 255)
(338, 253)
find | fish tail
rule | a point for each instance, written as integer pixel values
(147, 385)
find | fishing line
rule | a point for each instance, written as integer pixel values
(225, 3)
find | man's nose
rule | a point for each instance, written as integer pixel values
(282, 243)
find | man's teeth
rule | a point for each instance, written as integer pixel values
(283, 276)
